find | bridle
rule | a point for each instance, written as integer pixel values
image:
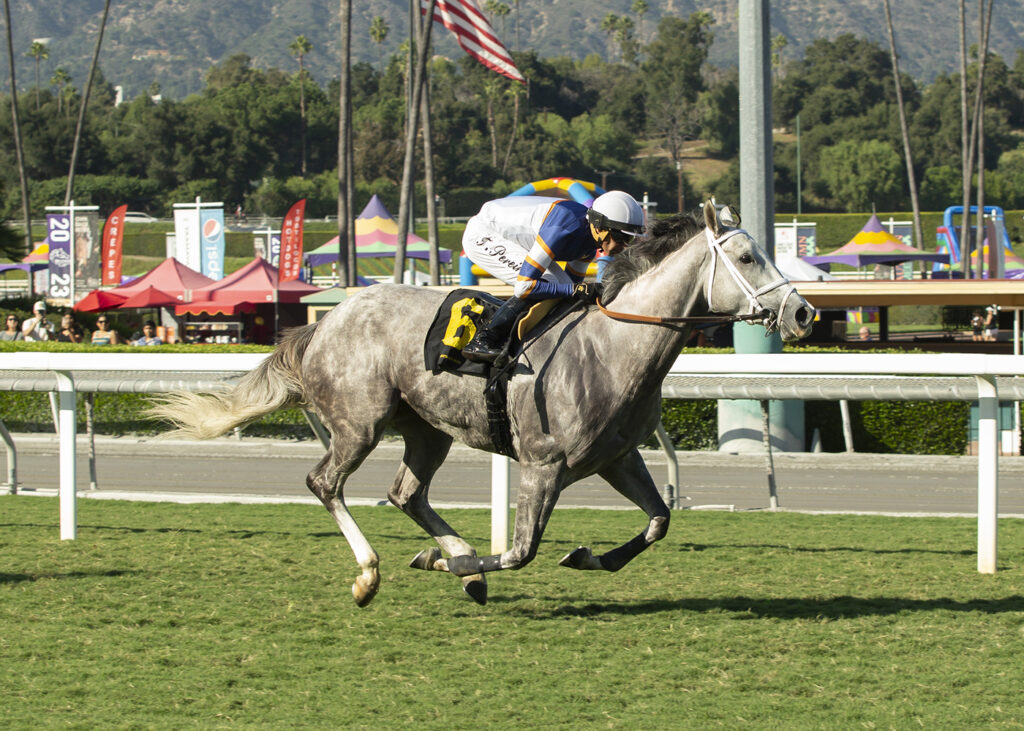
(758, 312)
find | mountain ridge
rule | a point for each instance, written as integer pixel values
(174, 42)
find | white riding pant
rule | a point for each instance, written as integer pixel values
(502, 256)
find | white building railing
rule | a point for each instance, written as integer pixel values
(779, 376)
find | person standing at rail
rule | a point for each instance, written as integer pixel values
(102, 335)
(149, 335)
(37, 328)
(519, 240)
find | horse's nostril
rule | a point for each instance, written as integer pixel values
(805, 316)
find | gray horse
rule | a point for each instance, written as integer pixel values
(584, 393)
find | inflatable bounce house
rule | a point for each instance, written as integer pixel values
(948, 242)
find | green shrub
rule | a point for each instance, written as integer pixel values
(691, 425)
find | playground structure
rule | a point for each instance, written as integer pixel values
(580, 191)
(996, 251)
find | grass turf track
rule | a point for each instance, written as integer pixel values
(172, 616)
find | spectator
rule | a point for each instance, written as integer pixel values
(70, 331)
(102, 335)
(865, 333)
(149, 336)
(992, 323)
(12, 331)
(977, 325)
(37, 328)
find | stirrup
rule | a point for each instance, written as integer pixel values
(478, 352)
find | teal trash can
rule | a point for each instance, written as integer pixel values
(1005, 428)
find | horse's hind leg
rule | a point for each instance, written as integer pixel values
(327, 481)
(425, 451)
(629, 476)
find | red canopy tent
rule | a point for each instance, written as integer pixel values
(149, 297)
(99, 299)
(171, 277)
(255, 283)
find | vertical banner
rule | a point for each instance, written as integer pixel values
(87, 253)
(806, 239)
(785, 239)
(113, 236)
(58, 233)
(291, 242)
(186, 237)
(274, 250)
(211, 221)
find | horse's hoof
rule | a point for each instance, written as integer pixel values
(476, 587)
(425, 559)
(581, 559)
(365, 589)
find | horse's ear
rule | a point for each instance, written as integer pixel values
(711, 218)
(729, 217)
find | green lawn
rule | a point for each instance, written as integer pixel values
(170, 616)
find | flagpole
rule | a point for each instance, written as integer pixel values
(428, 182)
(411, 125)
(344, 145)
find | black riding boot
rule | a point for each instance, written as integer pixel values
(490, 341)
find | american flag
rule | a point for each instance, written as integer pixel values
(475, 35)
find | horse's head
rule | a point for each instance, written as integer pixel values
(741, 279)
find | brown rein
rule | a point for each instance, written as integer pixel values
(628, 317)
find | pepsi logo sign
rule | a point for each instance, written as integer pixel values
(211, 228)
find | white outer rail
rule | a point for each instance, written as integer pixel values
(984, 368)
(64, 364)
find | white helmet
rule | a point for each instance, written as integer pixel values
(618, 211)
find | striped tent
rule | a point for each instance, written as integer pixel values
(874, 245)
(376, 236)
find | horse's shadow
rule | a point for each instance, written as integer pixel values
(6, 578)
(746, 608)
(697, 547)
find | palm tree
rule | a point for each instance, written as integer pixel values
(641, 8)
(39, 51)
(378, 34)
(499, 10)
(911, 178)
(69, 192)
(17, 136)
(300, 47)
(61, 79)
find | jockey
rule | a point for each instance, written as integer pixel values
(518, 239)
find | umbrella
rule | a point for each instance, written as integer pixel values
(99, 299)
(149, 297)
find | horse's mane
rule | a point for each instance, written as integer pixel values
(666, 235)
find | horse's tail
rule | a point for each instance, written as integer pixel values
(273, 385)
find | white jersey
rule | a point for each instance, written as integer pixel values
(517, 217)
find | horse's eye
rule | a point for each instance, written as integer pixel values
(746, 259)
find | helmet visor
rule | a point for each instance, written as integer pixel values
(600, 221)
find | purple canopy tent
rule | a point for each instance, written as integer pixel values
(874, 245)
(376, 236)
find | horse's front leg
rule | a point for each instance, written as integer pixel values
(629, 476)
(539, 487)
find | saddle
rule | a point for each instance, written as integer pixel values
(462, 313)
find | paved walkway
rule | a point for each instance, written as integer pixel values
(263, 470)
